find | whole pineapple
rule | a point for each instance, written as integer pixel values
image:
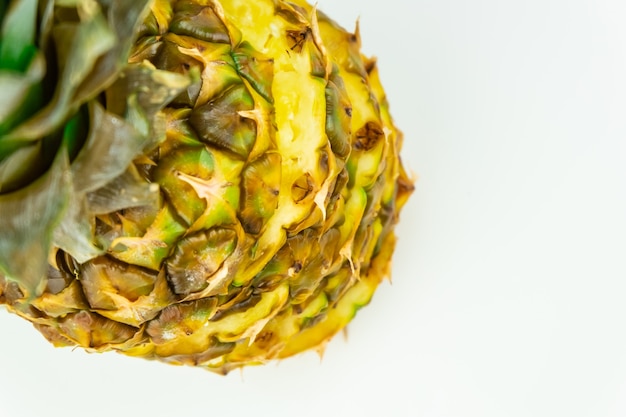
(203, 182)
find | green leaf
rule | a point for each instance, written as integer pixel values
(21, 94)
(22, 166)
(3, 9)
(28, 219)
(127, 190)
(46, 20)
(78, 46)
(111, 146)
(75, 131)
(17, 40)
(123, 17)
(75, 234)
(140, 94)
(154, 89)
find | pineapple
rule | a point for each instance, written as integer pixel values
(203, 182)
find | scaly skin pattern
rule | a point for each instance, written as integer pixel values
(277, 183)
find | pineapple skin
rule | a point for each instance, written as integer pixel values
(258, 215)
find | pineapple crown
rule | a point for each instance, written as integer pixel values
(64, 144)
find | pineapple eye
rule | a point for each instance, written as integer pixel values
(368, 136)
(302, 187)
(296, 39)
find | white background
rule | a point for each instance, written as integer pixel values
(509, 285)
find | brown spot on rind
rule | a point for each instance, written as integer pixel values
(296, 39)
(368, 136)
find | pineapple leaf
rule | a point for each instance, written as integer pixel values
(112, 144)
(21, 95)
(17, 44)
(123, 16)
(79, 47)
(153, 89)
(137, 192)
(20, 167)
(74, 234)
(29, 217)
